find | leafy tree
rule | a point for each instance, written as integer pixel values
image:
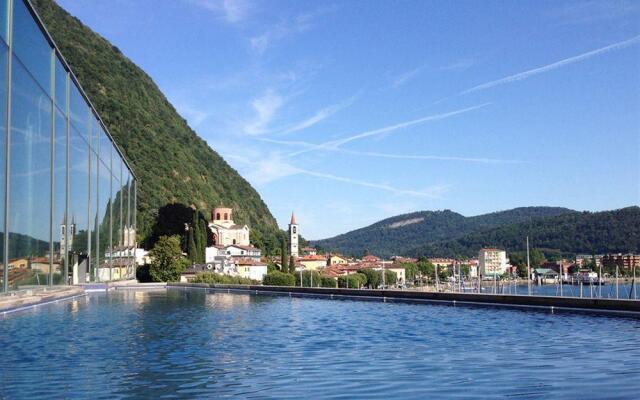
(373, 277)
(167, 262)
(410, 271)
(390, 277)
(309, 277)
(277, 278)
(353, 281)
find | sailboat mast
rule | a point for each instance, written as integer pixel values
(528, 268)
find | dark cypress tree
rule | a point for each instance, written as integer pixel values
(191, 245)
(197, 238)
(292, 265)
(283, 257)
(203, 240)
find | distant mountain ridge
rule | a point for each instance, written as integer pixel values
(449, 234)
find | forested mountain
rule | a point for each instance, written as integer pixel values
(402, 234)
(172, 164)
(604, 232)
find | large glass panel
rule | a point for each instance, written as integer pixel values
(93, 212)
(105, 148)
(104, 223)
(95, 134)
(29, 180)
(30, 45)
(4, 20)
(59, 198)
(126, 213)
(61, 87)
(78, 207)
(116, 228)
(79, 111)
(3, 138)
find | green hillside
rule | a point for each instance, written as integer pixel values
(172, 164)
(604, 232)
(401, 235)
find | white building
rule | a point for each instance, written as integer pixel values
(225, 231)
(492, 261)
(234, 250)
(293, 236)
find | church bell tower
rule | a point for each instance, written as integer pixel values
(293, 236)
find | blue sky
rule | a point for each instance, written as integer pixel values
(350, 112)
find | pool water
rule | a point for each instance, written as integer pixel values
(189, 343)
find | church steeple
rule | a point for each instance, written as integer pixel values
(293, 236)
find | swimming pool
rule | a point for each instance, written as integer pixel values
(188, 343)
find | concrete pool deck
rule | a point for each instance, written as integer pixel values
(551, 303)
(31, 297)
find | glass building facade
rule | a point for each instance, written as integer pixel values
(67, 195)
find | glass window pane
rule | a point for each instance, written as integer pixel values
(104, 231)
(95, 134)
(4, 21)
(116, 229)
(93, 212)
(78, 207)
(105, 148)
(61, 87)
(59, 198)
(3, 138)
(79, 111)
(29, 181)
(31, 47)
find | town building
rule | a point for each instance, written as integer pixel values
(335, 259)
(622, 261)
(309, 251)
(492, 261)
(70, 194)
(293, 236)
(225, 232)
(313, 263)
(583, 259)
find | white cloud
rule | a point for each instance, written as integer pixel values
(285, 28)
(233, 11)
(265, 108)
(312, 146)
(387, 129)
(405, 77)
(550, 67)
(459, 65)
(319, 116)
(273, 167)
(581, 12)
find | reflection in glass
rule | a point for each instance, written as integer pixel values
(30, 46)
(79, 111)
(59, 198)
(78, 206)
(3, 138)
(4, 22)
(61, 87)
(103, 239)
(29, 181)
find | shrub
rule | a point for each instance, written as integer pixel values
(277, 278)
(168, 263)
(352, 281)
(327, 281)
(211, 277)
(308, 277)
